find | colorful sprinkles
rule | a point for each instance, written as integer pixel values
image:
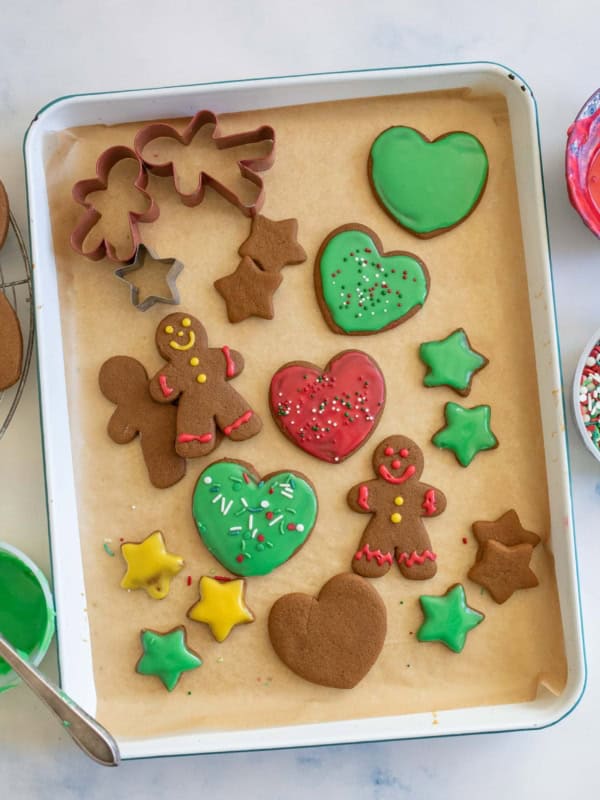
(589, 394)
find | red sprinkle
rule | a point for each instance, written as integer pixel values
(269, 515)
(239, 558)
(291, 526)
(189, 580)
(464, 540)
(260, 537)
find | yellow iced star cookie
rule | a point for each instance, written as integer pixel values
(150, 566)
(222, 606)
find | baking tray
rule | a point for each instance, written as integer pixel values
(75, 654)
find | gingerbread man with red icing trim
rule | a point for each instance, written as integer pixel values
(197, 375)
(398, 501)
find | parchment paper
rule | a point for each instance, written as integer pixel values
(477, 281)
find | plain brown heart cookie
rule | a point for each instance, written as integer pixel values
(333, 639)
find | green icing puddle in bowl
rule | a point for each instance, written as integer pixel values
(26, 610)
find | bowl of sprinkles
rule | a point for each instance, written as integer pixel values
(586, 395)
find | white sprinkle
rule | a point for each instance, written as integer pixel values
(250, 522)
(273, 521)
(236, 528)
(590, 361)
(264, 503)
(225, 507)
(244, 502)
(586, 417)
(217, 498)
(300, 528)
(208, 479)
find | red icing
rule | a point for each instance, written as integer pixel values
(429, 506)
(269, 515)
(238, 423)
(387, 475)
(230, 363)
(389, 451)
(164, 386)
(363, 498)
(416, 558)
(204, 438)
(583, 165)
(404, 452)
(369, 554)
(396, 463)
(329, 414)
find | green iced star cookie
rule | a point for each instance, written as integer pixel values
(167, 656)
(452, 362)
(466, 433)
(448, 618)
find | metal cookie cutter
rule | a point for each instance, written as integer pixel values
(248, 167)
(106, 161)
(142, 253)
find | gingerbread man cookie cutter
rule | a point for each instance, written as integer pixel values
(139, 262)
(105, 163)
(249, 168)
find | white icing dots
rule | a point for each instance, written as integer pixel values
(300, 528)
(208, 479)
(264, 503)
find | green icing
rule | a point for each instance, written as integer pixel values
(466, 433)
(364, 290)
(166, 656)
(451, 361)
(252, 526)
(448, 619)
(23, 608)
(428, 186)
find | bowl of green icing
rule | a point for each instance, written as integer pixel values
(26, 610)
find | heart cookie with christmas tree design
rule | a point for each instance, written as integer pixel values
(361, 289)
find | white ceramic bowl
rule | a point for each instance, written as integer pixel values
(10, 679)
(579, 422)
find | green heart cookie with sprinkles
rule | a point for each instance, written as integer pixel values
(252, 525)
(363, 290)
(427, 186)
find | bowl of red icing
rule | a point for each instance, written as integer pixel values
(583, 163)
(26, 610)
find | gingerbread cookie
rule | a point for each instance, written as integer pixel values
(124, 381)
(447, 618)
(427, 186)
(398, 501)
(11, 357)
(198, 377)
(451, 362)
(222, 605)
(333, 639)
(363, 290)
(503, 570)
(273, 244)
(329, 413)
(248, 292)
(4, 214)
(507, 530)
(251, 524)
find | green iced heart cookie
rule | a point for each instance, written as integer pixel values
(252, 525)
(427, 186)
(363, 290)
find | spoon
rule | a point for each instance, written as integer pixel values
(88, 734)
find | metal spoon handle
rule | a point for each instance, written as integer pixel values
(88, 734)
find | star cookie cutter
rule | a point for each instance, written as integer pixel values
(105, 163)
(248, 167)
(139, 261)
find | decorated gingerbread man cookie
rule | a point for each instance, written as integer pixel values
(197, 375)
(397, 500)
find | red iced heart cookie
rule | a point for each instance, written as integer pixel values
(329, 413)
(334, 639)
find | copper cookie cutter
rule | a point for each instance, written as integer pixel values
(249, 168)
(105, 163)
(142, 253)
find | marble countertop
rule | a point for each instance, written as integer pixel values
(69, 46)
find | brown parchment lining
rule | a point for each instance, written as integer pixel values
(478, 281)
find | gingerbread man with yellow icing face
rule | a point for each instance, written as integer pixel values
(197, 375)
(397, 500)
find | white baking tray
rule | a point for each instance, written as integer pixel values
(73, 635)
